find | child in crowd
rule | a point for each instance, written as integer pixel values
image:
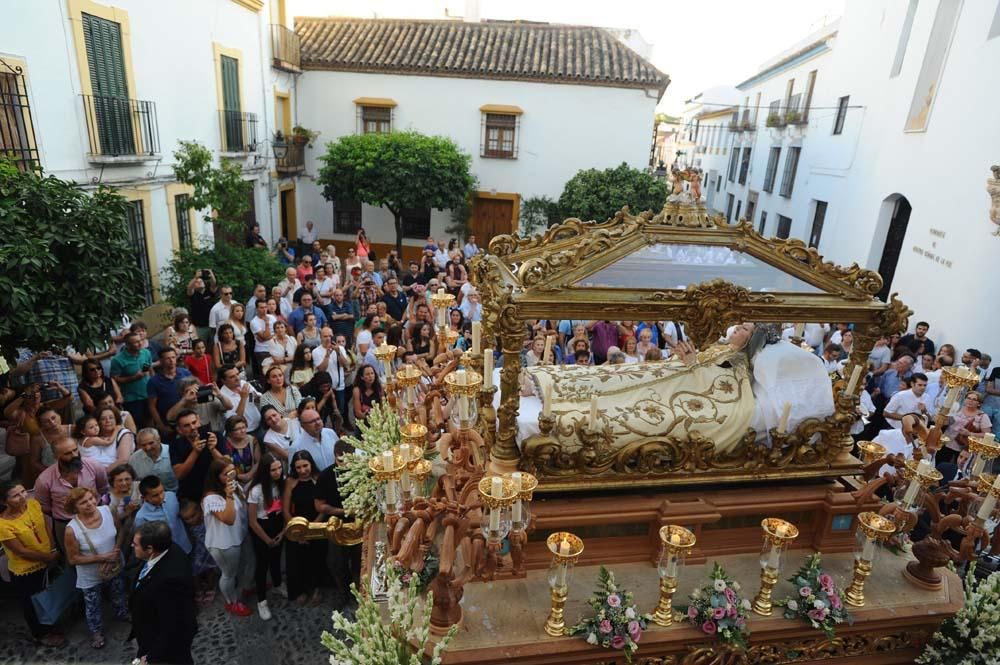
(206, 573)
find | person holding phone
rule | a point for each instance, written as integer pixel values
(267, 522)
(226, 531)
(192, 451)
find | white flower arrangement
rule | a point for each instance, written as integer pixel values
(401, 640)
(817, 600)
(972, 636)
(379, 432)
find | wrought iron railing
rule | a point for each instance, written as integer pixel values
(117, 126)
(239, 131)
(285, 48)
(17, 133)
(294, 159)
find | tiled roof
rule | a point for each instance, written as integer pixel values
(493, 49)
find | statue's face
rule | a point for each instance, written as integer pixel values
(741, 335)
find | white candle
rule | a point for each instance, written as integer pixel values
(593, 412)
(675, 540)
(390, 485)
(463, 401)
(518, 483)
(774, 556)
(547, 400)
(477, 328)
(913, 489)
(868, 552)
(853, 383)
(989, 503)
(977, 466)
(387, 364)
(496, 491)
(989, 439)
(387, 461)
(547, 353)
(950, 399)
(488, 369)
(404, 479)
(800, 329)
(442, 317)
(564, 552)
(786, 411)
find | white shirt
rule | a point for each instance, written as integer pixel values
(334, 367)
(103, 538)
(256, 498)
(258, 325)
(441, 258)
(327, 286)
(837, 337)
(470, 250)
(814, 333)
(282, 285)
(250, 311)
(284, 441)
(152, 562)
(250, 412)
(281, 352)
(218, 534)
(905, 402)
(218, 315)
(308, 236)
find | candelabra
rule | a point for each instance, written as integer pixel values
(676, 543)
(871, 451)
(984, 449)
(408, 386)
(778, 535)
(441, 302)
(873, 529)
(386, 354)
(566, 549)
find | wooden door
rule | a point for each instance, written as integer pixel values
(491, 217)
(289, 225)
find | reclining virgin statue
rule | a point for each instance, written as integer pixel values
(717, 394)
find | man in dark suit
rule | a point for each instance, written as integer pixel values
(162, 597)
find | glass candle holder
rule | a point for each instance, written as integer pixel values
(984, 449)
(985, 509)
(386, 355)
(441, 302)
(873, 530)
(676, 544)
(496, 495)
(408, 383)
(524, 485)
(463, 387)
(778, 535)
(566, 549)
(387, 469)
(921, 476)
(871, 451)
(418, 477)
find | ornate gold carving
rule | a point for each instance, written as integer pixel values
(862, 279)
(711, 307)
(896, 317)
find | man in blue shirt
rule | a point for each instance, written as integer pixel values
(297, 319)
(318, 440)
(160, 505)
(164, 389)
(893, 377)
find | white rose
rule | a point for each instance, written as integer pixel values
(746, 604)
(735, 586)
(630, 613)
(792, 605)
(819, 604)
(720, 585)
(592, 638)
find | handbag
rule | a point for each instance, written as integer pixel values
(18, 441)
(58, 595)
(107, 570)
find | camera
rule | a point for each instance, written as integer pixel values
(145, 367)
(205, 273)
(204, 394)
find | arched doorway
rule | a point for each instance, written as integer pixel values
(890, 232)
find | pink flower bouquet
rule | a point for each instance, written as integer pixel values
(717, 610)
(816, 599)
(616, 623)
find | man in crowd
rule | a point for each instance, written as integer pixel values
(259, 294)
(325, 284)
(307, 236)
(605, 335)
(894, 376)
(284, 253)
(254, 238)
(341, 315)
(297, 319)
(262, 329)
(471, 248)
(971, 358)
(164, 389)
(130, 369)
(332, 358)
(395, 300)
(211, 406)
(201, 293)
(191, 453)
(241, 394)
(831, 355)
(51, 369)
(289, 285)
(54, 484)
(305, 268)
(412, 278)
(161, 600)
(918, 342)
(161, 505)
(318, 440)
(441, 257)
(220, 310)
(152, 458)
(880, 356)
(912, 400)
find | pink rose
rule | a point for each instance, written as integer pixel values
(614, 600)
(634, 630)
(719, 613)
(826, 582)
(805, 592)
(740, 622)
(617, 642)
(818, 615)
(731, 611)
(708, 628)
(835, 601)
(692, 612)
(605, 626)
(730, 595)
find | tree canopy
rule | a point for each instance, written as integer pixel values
(397, 170)
(222, 191)
(68, 269)
(598, 195)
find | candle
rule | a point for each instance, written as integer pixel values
(404, 479)
(989, 439)
(463, 400)
(989, 503)
(488, 369)
(868, 552)
(786, 411)
(517, 479)
(496, 491)
(913, 489)
(853, 383)
(564, 547)
(388, 464)
(675, 542)
(800, 329)
(950, 399)
(477, 328)
(977, 466)
(547, 400)
(593, 412)
(547, 353)
(774, 556)
(442, 317)
(563, 566)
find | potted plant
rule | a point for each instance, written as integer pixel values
(774, 120)
(793, 117)
(302, 136)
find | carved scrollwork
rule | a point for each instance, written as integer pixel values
(686, 216)
(711, 306)
(862, 279)
(896, 318)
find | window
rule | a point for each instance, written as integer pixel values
(183, 220)
(763, 222)
(416, 222)
(791, 165)
(500, 135)
(744, 166)
(346, 216)
(995, 27)
(137, 236)
(784, 226)
(730, 200)
(772, 168)
(904, 39)
(810, 84)
(817, 228)
(838, 123)
(751, 206)
(793, 102)
(17, 135)
(376, 120)
(739, 204)
(929, 79)
(733, 158)
(718, 183)
(110, 112)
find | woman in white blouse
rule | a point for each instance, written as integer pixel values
(280, 394)
(226, 532)
(281, 346)
(281, 432)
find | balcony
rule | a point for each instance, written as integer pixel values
(294, 161)
(285, 49)
(239, 132)
(120, 130)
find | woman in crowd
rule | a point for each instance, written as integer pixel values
(94, 381)
(106, 401)
(631, 350)
(367, 391)
(394, 337)
(180, 336)
(456, 320)
(456, 275)
(123, 439)
(847, 346)
(202, 564)
(282, 349)
(123, 496)
(309, 336)
(421, 336)
(302, 365)
(229, 349)
(46, 427)
(321, 389)
(382, 312)
(27, 539)
(281, 432)
(578, 346)
(93, 545)
(645, 343)
(351, 261)
(333, 266)
(237, 319)
(280, 394)
(278, 307)
(969, 419)
(363, 247)
(305, 561)
(242, 448)
(199, 363)
(226, 531)
(533, 356)
(265, 514)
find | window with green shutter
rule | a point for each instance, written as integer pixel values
(231, 102)
(109, 85)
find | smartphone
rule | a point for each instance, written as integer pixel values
(205, 274)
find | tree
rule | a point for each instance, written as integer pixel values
(234, 265)
(221, 191)
(68, 269)
(397, 170)
(663, 118)
(598, 195)
(537, 213)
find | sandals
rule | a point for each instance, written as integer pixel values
(54, 640)
(97, 641)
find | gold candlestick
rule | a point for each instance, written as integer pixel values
(676, 543)
(566, 549)
(871, 451)
(872, 530)
(778, 535)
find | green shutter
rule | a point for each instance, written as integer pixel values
(231, 103)
(109, 85)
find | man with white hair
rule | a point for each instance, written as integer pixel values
(288, 286)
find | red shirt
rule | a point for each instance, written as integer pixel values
(200, 368)
(302, 272)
